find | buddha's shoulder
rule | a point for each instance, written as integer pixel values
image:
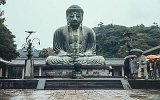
(61, 29)
(85, 28)
(65, 28)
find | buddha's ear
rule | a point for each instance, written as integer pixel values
(67, 19)
(82, 15)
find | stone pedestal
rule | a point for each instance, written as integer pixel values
(28, 69)
(77, 75)
(68, 70)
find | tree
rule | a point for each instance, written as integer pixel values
(2, 2)
(112, 43)
(7, 46)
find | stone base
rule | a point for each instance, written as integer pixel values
(66, 71)
(77, 75)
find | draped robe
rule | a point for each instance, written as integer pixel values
(62, 46)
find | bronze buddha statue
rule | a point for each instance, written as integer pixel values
(74, 43)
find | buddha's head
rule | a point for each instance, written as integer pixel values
(74, 15)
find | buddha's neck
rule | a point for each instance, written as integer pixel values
(73, 29)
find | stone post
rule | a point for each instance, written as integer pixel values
(29, 69)
(122, 71)
(23, 72)
(40, 71)
(6, 72)
(0, 71)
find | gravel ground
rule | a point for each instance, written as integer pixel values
(79, 94)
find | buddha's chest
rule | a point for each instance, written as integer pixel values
(75, 38)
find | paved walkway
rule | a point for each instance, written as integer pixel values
(79, 95)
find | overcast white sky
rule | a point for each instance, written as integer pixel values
(44, 16)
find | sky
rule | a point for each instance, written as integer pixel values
(45, 16)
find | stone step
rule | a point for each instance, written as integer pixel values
(83, 84)
(144, 84)
(41, 84)
(126, 84)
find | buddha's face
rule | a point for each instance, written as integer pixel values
(74, 18)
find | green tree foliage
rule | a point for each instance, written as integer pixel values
(7, 46)
(2, 2)
(111, 41)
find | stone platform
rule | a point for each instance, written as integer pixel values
(70, 84)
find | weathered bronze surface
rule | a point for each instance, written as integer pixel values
(74, 43)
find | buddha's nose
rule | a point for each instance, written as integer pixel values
(75, 18)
